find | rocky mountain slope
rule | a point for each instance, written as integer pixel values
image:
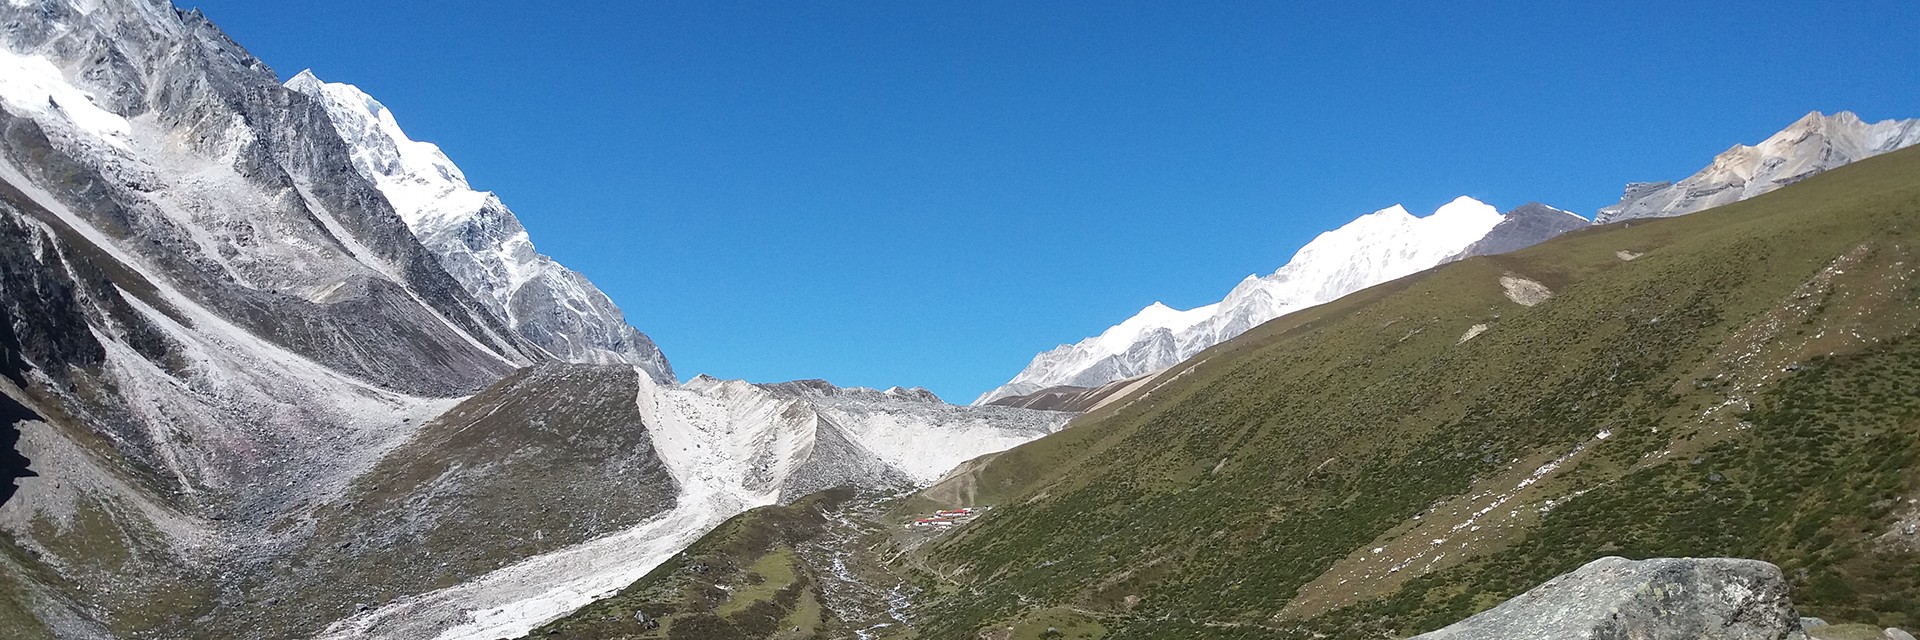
(1526, 225)
(245, 399)
(1733, 383)
(1815, 143)
(479, 241)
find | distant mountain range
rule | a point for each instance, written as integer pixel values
(1390, 243)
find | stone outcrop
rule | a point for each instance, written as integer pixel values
(1667, 598)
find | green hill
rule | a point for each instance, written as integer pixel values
(1743, 382)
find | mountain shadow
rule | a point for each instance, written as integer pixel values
(13, 465)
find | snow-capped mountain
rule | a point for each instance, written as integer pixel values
(270, 365)
(479, 241)
(1815, 143)
(1377, 247)
(161, 142)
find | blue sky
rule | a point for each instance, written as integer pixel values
(919, 193)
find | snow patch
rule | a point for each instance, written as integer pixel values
(35, 87)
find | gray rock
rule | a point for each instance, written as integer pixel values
(1897, 634)
(1811, 622)
(1616, 599)
(1525, 226)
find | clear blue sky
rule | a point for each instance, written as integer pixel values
(929, 193)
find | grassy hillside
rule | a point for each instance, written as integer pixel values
(1736, 382)
(743, 580)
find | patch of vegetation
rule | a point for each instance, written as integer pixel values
(551, 456)
(764, 581)
(17, 618)
(1056, 624)
(741, 581)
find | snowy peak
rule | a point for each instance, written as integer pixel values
(1383, 245)
(479, 241)
(1394, 229)
(1156, 316)
(419, 178)
(1816, 142)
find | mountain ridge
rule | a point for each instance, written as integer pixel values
(480, 242)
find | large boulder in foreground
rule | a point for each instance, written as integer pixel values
(1659, 599)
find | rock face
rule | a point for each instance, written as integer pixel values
(1661, 599)
(479, 241)
(150, 135)
(1815, 143)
